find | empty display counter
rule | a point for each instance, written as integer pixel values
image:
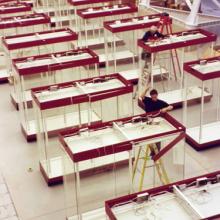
(76, 103)
(166, 60)
(14, 8)
(24, 23)
(32, 72)
(190, 199)
(96, 16)
(155, 144)
(203, 128)
(134, 28)
(20, 24)
(37, 43)
(80, 4)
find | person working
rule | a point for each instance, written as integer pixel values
(152, 103)
(152, 35)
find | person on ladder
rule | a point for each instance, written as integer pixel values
(153, 104)
(150, 36)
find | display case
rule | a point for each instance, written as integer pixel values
(37, 43)
(95, 16)
(59, 11)
(42, 70)
(76, 103)
(24, 24)
(14, 8)
(80, 4)
(166, 60)
(202, 127)
(195, 198)
(88, 150)
(20, 24)
(121, 29)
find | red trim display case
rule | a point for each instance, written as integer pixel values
(202, 131)
(166, 60)
(14, 8)
(96, 16)
(80, 4)
(24, 24)
(42, 70)
(121, 29)
(19, 24)
(59, 11)
(78, 103)
(37, 43)
(109, 144)
(194, 198)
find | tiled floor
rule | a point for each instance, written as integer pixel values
(33, 199)
(7, 209)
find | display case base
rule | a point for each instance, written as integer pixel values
(97, 214)
(15, 103)
(88, 167)
(4, 76)
(176, 97)
(56, 124)
(131, 75)
(119, 56)
(210, 137)
(98, 42)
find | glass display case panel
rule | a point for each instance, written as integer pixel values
(94, 180)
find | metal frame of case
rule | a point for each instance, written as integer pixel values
(83, 154)
(205, 133)
(78, 103)
(171, 195)
(169, 45)
(132, 27)
(33, 44)
(95, 16)
(32, 72)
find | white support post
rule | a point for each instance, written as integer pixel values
(192, 19)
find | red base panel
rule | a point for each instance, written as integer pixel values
(59, 180)
(199, 147)
(29, 138)
(3, 80)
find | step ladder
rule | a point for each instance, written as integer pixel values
(165, 27)
(149, 150)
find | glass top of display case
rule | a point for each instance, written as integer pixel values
(95, 12)
(134, 23)
(204, 69)
(24, 20)
(178, 40)
(39, 38)
(196, 198)
(80, 91)
(14, 7)
(119, 135)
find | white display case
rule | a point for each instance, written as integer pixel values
(76, 103)
(24, 24)
(59, 11)
(166, 60)
(190, 199)
(134, 28)
(20, 24)
(14, 9)
(80, 4)
(96, 16)
(202, 130)
(42, 70)
(37, 43)
(94, 156)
